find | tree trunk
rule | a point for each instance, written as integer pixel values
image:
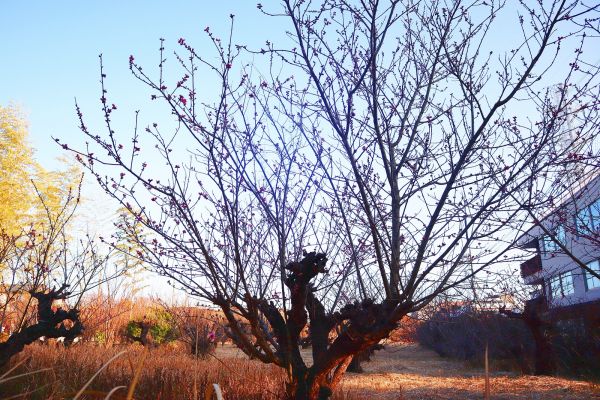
(363, 356)
(50, 324)
(535, 317)
(355, 365)
(307, 386)
(544, 352)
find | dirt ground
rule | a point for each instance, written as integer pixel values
(410, 372)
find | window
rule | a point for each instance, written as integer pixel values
(588, 218)
(561, 285)
(595, 214)
(550, 243)
(566, 281)
(555, 291)
(583, 220)
(560, 234)
(592, 282)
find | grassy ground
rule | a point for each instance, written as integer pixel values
(411, 372)
(400, 372)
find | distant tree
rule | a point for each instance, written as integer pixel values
(534, 317)
(124, 241)
(158, 326)
(44, 270)
(364, 356)
(391, 141)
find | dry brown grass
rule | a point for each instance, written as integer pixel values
(410, 372)
(168, 373)
(400, 372)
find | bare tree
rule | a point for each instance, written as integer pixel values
(386, 137)
(43, 277)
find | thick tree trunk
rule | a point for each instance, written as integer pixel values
(17, 341)
(307, 386)
(544, 352)
(358, 327)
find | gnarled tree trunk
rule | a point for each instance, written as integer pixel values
(360, 326)
(50, 324)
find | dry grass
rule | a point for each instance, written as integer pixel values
(400, 372)
(168, 373)
(410, 372)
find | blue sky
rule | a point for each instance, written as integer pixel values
(50, 53)
(50, 57)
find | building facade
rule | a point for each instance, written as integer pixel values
(566, 238)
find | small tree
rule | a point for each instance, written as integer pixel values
(389, 143)
(44, 277)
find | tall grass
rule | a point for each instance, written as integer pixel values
(167, 373)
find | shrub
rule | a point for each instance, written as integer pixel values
(159, 324)
(463, 334)
(100, 337)
(163, 329)
(406, 331)
(577, 348)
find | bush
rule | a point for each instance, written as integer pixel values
(162, 327)
(406, 332)
(577, 348)
(99, 337)
(463, 334)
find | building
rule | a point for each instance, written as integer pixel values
(569, 236)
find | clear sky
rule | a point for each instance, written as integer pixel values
(49, 53)
(49, 56)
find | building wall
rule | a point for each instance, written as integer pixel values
(555, 262)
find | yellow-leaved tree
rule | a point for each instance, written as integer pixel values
(27, 190)
(16, 166)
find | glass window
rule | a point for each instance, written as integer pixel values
(582, 220)
(561, 234)
(566, 280)
(595, 214)
(550, 244)
(588, 218)
(562, 285)
(592, 282)
(555, 291)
